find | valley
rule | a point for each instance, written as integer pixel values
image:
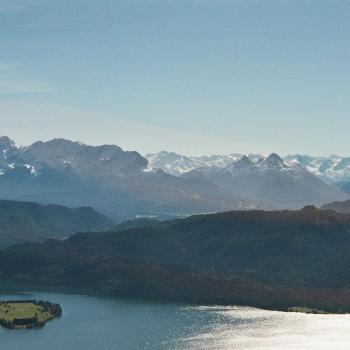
(174, 175)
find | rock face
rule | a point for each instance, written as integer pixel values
(262, 258)
(332, 169)
(117, 183)
(177, 164)
(271, 181)
(84, 160)
(124, 185)
(6, 147)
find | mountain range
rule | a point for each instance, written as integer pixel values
(117, 183)
(124, 185)
(270, 180)
(332, 169)
(273, 259)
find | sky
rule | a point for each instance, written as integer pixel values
(190, 76)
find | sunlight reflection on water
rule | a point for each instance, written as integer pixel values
(90, 323)
(248, 328)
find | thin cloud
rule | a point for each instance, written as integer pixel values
(10, 8)
(11, 82)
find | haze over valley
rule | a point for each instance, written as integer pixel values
(124, 185)
(174, 175)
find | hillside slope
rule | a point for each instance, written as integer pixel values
(32, 222)
(330, 169)
(271, 259)
(115, 182)
(339, 207)
(271, 181)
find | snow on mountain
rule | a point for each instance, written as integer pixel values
(111, 179)
(65, 155)
(172, 163)
(177, 164)
(330, 169)
(276, 164)
(60, 153)
(6, 147)
(270, 180)
(116, 182)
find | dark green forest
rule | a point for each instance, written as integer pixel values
(274, 259)
(32, 222)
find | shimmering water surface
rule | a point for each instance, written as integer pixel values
(90, 323)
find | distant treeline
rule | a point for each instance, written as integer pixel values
(270, 259)
(31, 322)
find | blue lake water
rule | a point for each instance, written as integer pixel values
(90, 323)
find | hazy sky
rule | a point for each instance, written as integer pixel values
(193, 76)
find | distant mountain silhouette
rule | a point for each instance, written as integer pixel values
(331, 169)
(271, 181)
(340, 207)
(125, 185)
(116, 182)
(31, 222)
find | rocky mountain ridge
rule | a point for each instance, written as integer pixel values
(116, 182)
(124, 184)
(330, 169)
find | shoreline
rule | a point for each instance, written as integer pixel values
(27, 313)
(20, 289)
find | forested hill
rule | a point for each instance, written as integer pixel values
(271, 259)
(32, 222)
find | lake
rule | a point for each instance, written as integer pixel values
(90, 323)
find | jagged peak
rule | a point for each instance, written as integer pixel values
(239, 165)
(272, 161)
(275, 158)
(243, 162)
(6, 142)
(245, 159)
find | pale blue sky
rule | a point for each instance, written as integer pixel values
(192, 76)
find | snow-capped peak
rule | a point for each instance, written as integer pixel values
(330, 169)
(272, 161)
(177, 164)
